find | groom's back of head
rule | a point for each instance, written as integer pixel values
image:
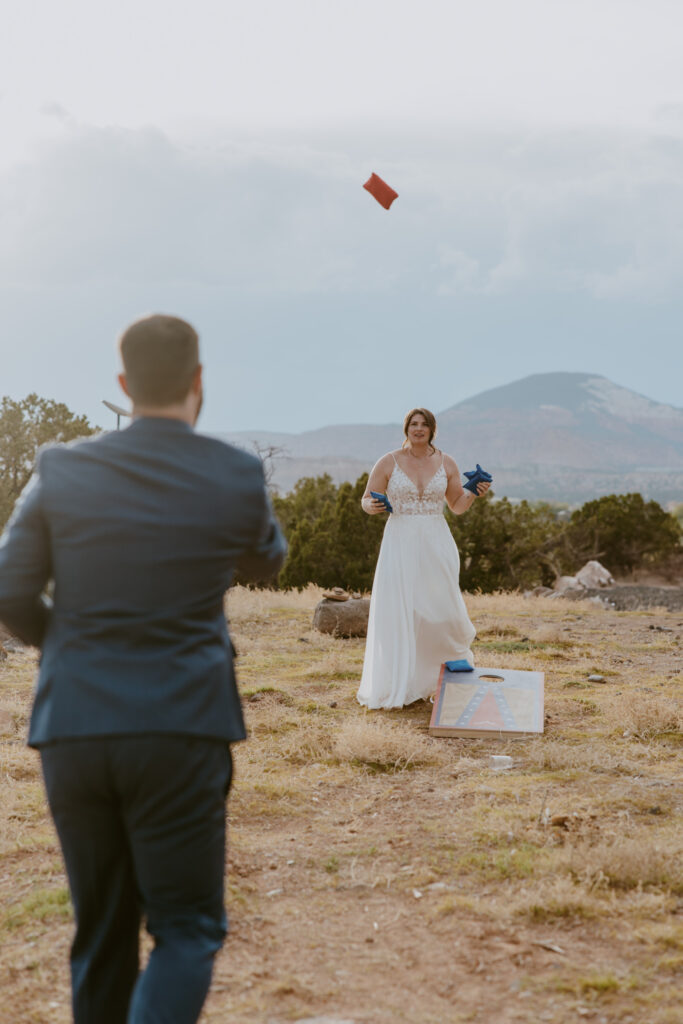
(160, 356)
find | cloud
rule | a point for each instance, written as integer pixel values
(56, 110)
(464, 272)
(126, 206)
(598, 216)
(478, 213)
(669, 112)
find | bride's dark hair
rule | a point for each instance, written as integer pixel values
(430, 420)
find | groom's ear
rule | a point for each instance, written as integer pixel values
(123, 384)
(196, 385)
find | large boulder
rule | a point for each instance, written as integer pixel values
(594, 575)
(591, 577)
(342, 618)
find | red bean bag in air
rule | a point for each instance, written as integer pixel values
(382, 192)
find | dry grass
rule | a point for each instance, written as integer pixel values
(558, 899)
(381, 875)
(559, 756)
(334, 664)
(384, 745)
(246, 605)
(630, 863)
(647, 715)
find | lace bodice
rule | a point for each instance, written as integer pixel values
(406, 499)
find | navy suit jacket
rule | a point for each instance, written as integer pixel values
(141, 531)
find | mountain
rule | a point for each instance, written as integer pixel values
(553, 436)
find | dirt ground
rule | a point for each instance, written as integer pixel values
(376, 874)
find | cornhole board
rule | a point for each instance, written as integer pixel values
(488, 702)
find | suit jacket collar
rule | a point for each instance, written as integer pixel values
(159, 425)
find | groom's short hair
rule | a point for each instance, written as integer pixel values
(160, 356)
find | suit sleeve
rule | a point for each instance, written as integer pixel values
(264, 558)
(25, 566)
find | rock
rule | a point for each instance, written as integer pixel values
(560, 821)
(325, 1020)
(6, 723)
(336, 594)
(565, 583)
(347, 618)
(553, 949)
(632, 597)
(499, 762)
(594, 575)
(9, 642)
(13, 645)
(596, 679)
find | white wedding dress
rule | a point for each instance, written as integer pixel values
(418, 618)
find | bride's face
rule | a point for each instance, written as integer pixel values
(418, 429)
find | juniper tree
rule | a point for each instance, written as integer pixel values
(24, 426)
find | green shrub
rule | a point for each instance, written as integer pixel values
(623, 531)
(503, 546)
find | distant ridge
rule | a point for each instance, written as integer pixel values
(563, 437)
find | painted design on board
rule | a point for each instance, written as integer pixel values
(496, 700)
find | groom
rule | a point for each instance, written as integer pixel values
(136, 706)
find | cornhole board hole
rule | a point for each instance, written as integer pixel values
(488, 702)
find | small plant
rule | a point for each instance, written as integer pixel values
(599, 983)
(41, 905)
(331, 865)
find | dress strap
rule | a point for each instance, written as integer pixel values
(394, 458)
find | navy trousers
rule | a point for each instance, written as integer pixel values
(141, 822)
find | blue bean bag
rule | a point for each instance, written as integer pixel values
(476, 476)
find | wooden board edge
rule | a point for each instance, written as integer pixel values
(437, 697)
(482, 734)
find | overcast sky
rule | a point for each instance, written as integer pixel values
(207, 160)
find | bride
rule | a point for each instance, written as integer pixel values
(418, 618)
